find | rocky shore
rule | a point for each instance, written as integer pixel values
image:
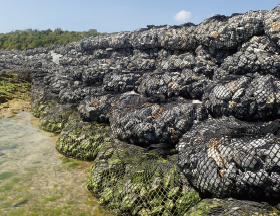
(179, 120)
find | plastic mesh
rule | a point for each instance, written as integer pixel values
(228, 144)
(230, 206)
(83, 140)
(39, 107)
(56, 118)
(132, 181)
(220, 155)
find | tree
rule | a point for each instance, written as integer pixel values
(28, 38)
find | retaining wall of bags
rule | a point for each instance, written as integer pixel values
(179, 120)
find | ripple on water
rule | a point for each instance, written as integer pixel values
(35, 179)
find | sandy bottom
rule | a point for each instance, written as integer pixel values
(34, 178)
(11, 108)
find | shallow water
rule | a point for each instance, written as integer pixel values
(35, 179)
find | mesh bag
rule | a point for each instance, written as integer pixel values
(38, 107)
(132, 181)
(56, 118)
(83, 140)
(227, 157)
(251, 97)
(230, 206)
(231, 64)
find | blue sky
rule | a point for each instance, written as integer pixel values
(116, 15)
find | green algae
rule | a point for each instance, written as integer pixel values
(49, 199)
(204, 208)
(11, 87)
(3, 161)
(6, 187)
(7, 146)
(6, 205)
(5, 175)
(66, 160)
(70, 202)
(36, 162)
(114, 159)
(91, 203)
(187, 201)
(34, 188)
(53, 211)
(38, 108)
(17, 213)
(74, 165)
(31, 171)
(55, 118)
(83, 140)
(84, 213)
(4, 197)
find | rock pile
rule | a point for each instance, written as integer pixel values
(211, 91)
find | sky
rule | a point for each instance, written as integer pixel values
(116, 15)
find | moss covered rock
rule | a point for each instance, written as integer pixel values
(109, 167)
(230, 206)
(139, 183)
(83, 140)
(12, 87)
(38, 107)
(186, 201)
(55, 119)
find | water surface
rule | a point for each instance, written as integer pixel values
(35, 179)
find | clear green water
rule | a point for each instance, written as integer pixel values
(35, 179)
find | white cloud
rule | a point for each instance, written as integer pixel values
(183, 16)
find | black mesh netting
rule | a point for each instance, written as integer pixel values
(228, 157)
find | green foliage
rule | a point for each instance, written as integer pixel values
(29, 38)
